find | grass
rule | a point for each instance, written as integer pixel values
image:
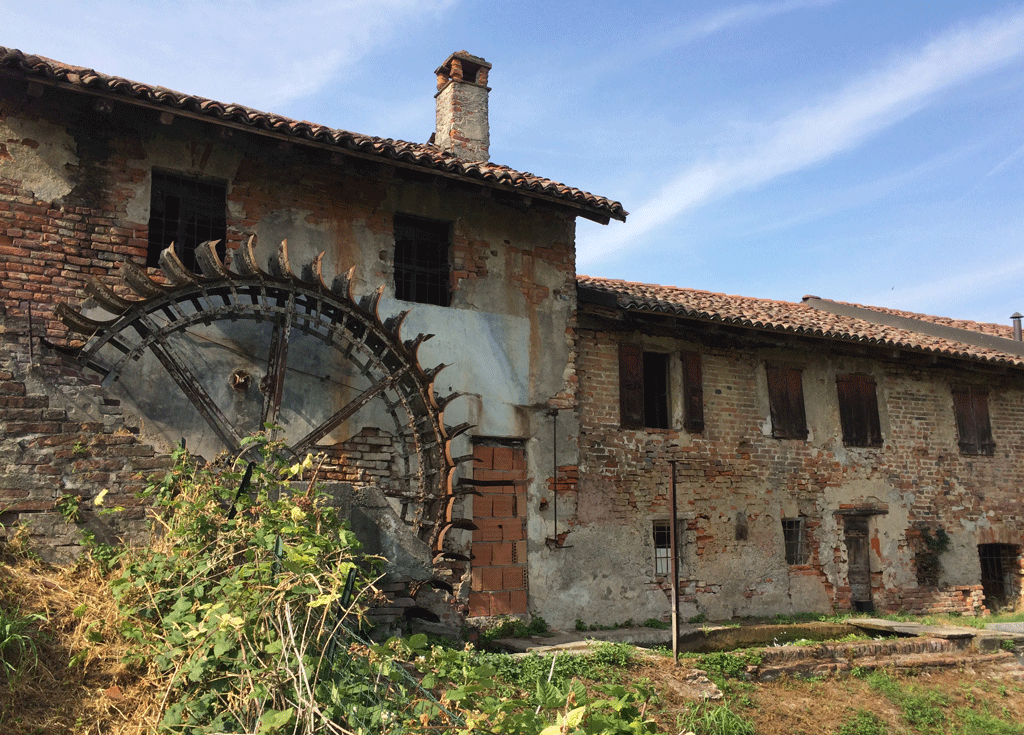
(713, 719)
(19, 652)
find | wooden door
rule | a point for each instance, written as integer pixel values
(858, 555)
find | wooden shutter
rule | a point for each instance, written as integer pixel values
(631, 385)
(786, 400)
(858, 411)
(972, 421)
(693, 392)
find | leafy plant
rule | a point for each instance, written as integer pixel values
(69, 507)
(240, 613)
(515, 628)
(928, 548)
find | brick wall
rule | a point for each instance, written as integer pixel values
(917, 479)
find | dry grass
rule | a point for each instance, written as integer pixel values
(80, 685)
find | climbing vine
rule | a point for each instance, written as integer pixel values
(929, 548)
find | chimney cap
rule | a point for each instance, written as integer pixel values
(462, 56)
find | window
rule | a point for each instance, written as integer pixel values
(663, 547)
(422, 260)
(794, 532)
(185, 212)
(972, 424)
(786, 399)
(858, 411)
(693, 393)
(643, 388)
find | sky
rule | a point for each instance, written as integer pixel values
(857, 150)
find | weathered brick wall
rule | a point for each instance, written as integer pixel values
(917, 479)
(74, 203)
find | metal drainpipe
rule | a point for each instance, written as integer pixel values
(675, 565)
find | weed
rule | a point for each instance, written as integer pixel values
(70, 508)
(655, 623)
(985, 723)
(863, 723)
(1008, 645)
(713, 719)
(697, 619)
(515, 628)
(79, 449)
(18, 650)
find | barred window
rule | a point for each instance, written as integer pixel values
(185, 212)
(794, 532)
(422, 260)
(663, 547)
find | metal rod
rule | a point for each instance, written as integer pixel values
(32, 355)
(554, 460)
(675, 564)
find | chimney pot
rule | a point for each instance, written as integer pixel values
(462, 124)
(1016, 325)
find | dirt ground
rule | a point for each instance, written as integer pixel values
(817, 707)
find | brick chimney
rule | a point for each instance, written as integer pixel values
(462, 127)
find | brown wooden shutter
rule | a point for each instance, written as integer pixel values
(631, 385)
(972, 421)
(965, 426)
(786, 400)
(693, 392)
(858, 411)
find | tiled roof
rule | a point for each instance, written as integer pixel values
(417, 154)
(803, 319)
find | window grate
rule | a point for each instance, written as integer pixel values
(422, 260)
(663, 547)
(185, 212)
(794, 532)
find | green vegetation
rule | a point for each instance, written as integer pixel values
(922, 708)
(863, 723)
(18, 649)
(705, 718)
(515, 628)
(253, 622)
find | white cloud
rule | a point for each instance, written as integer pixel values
(811, 135)
(262, 54)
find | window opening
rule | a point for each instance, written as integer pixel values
(643, 388)
(794, 532)
(1000, 574)
(663, 547)
(786, 400)
(858, 411)
(655, 390)
(972, 421)
(422, 260)
(186, 212)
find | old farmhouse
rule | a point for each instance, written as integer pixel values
(175, 267)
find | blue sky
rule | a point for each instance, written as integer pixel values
(855, 150)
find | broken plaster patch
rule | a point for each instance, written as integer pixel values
(39, 155)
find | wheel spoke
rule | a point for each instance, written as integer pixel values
(350, 408)
(276, 363)
(194, 391)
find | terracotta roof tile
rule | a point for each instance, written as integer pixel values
(804, 319)
(417, 154)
